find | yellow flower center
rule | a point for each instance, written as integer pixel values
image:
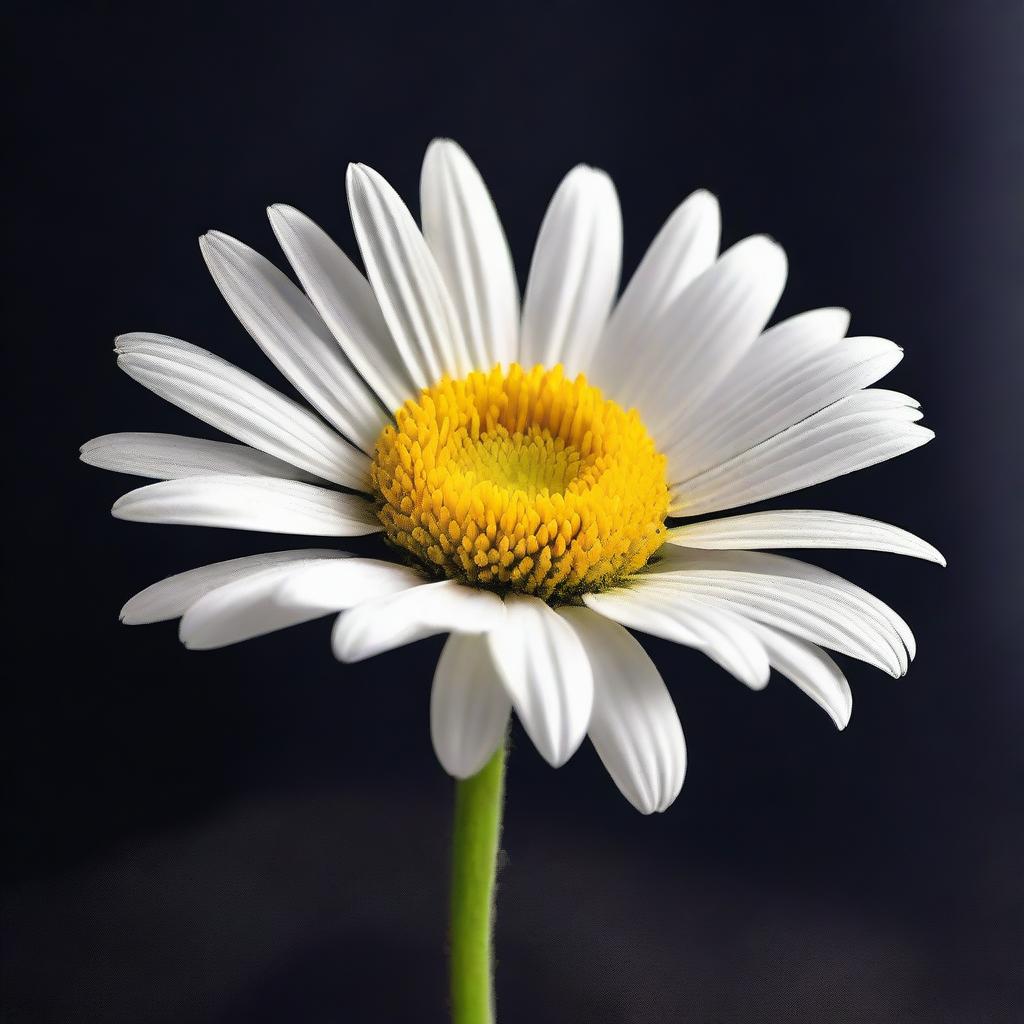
(523, 481)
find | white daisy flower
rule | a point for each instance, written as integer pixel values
(524, 467)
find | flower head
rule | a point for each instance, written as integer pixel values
(525, 468)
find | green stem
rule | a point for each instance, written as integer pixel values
(477, 832)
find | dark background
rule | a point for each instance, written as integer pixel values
(260, 834)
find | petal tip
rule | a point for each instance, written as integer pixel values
(583, 176)
(554, 758)
(219, 244)
(768, 245)
(442, 145)
(280, 216)
(209, 243)
(342, 650)
(761, 256)
(708, 205)
(668, 801)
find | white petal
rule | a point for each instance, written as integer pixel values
(812, 574)
(547, 674)
(469, 707)
(335, 587)
(406, 280)
(171, 597)
(237, 403)
(284, 596)
(684, 248)
(701, 336)
(285, 324)
(249, 607)
(716, 631)
(249, 503)
(897, 404)
(802, 528)
(465, 235)
(446, 607)
(772, 390)
(850, 434)
(345, 300)
(574, 273)
(634, 726)
(813, 327)
(811, 669)
(169, 456)
(802, 599)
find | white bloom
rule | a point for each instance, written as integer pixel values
(528, 505)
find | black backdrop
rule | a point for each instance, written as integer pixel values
(259, 834)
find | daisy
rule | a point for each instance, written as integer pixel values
(523, 465)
